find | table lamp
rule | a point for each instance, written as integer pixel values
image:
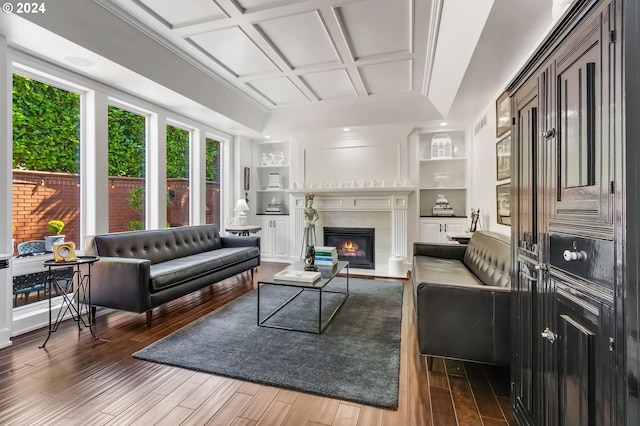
(241, 210)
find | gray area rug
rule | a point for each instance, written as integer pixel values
(357, 358)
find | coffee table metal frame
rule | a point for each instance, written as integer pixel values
(327, 274)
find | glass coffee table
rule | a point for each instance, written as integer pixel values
(289, 319)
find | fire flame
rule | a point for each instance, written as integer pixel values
(350, 246)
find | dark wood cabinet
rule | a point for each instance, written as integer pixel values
(568, 232)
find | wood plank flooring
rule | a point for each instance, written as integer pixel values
(80, 381)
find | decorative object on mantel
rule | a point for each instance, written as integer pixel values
(442, 207)
(440, 178)
(273, 159)
(311, 216)
(354, 184)
(441, 147)
(241, 210)
(275, 181)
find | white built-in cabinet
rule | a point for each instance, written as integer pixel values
(442, 170)
(272, 172)
(271, 179)
(274, 236)
(435, 229)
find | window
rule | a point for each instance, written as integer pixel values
(178, 144)
(127, 158)
(46, 178)
(212, 152)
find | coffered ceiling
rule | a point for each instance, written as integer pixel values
(286, 53)
(268, 66)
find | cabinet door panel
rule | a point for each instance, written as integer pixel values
(583, 172)
(280, 238)
(430, 231)
(577, 362)
(454, 225)
(266, 237)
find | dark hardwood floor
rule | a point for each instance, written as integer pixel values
(81, 381)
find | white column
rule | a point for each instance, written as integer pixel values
(94, 166)
(197, 178)
(6, 155)
(156, 213)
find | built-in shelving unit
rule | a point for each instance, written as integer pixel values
(272, 167)
(443, 174)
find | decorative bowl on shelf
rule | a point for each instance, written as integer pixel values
(440, 178)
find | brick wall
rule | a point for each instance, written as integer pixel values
(35, 203)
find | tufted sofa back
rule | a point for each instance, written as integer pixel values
(156, 245)
(488, 256)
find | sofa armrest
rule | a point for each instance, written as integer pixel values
(441, 250)
(121, 283)
(464, 322)
(240, 242)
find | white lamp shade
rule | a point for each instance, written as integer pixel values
(241, 206)
(241, 210)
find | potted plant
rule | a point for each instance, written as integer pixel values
(55, 228)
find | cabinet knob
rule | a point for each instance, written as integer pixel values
(549, 335)
(569, 255)
(541, 267)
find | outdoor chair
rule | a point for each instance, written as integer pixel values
(31, 248)
(25, 284)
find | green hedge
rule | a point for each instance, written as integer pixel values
(46, 135)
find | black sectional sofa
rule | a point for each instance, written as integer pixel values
(141, 270)
(462, 299)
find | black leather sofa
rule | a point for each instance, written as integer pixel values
(462, 299)
(141, 270)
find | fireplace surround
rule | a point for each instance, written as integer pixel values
(355, 245)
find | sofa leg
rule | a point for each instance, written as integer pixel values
(149, 316)
(429, 363)
(93, 313)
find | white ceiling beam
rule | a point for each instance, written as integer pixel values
(459, 29)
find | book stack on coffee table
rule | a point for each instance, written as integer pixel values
(326, 256)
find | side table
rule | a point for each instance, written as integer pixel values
(243, 230)
(81, 281)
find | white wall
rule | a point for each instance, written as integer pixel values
(483, 180)
(365, 153)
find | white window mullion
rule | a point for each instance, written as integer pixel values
(156, 211)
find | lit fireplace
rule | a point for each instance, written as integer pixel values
(356, 245)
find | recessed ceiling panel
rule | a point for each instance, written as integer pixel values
(255, 5)
(387, 77)
(280, 91)
(330, 84)
(302, 39)
(184, 12)
(368, 26)
(233, 49)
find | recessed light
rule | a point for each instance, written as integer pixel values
(444, 123)
(78, 61)
(346, 129)
(267, 137)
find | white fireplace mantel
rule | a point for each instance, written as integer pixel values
(394, 200)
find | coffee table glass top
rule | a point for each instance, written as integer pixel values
(327, 273)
